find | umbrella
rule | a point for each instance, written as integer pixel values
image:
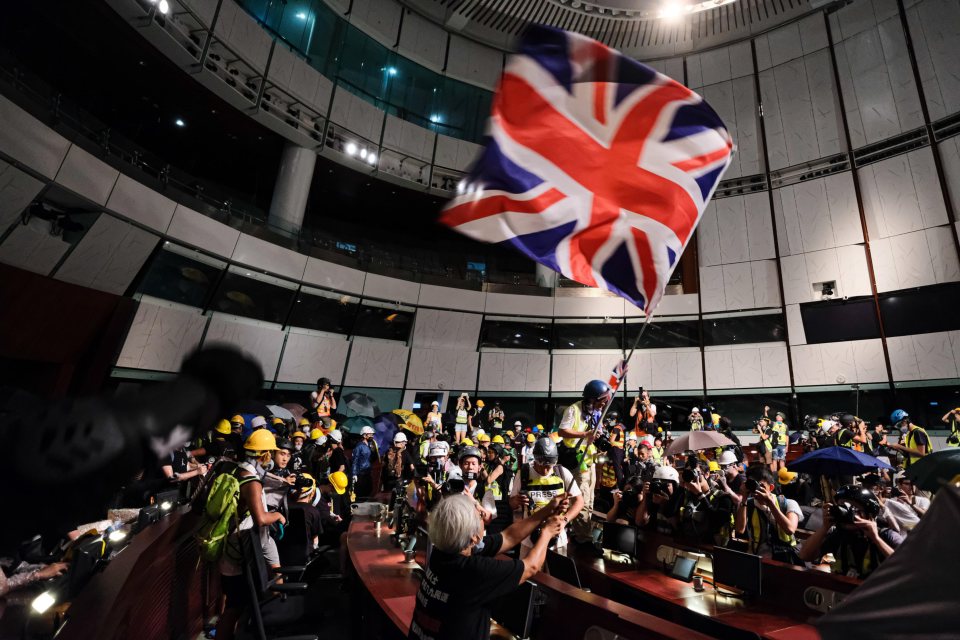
(837, 461)
(931, 469)
(697, 440)
(280, 412)
(296, 410)
(385, 427)
(359, 404)
(355, 424)
(411, 421)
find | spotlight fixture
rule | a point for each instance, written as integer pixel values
(350, 148)
(372, 158)
(180, 122)
(164, 7)
(391, 71)
(363, 153)
(461, 187)
(43, 602)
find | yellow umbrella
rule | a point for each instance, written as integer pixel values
(411, 421)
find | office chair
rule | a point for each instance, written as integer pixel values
(296, 547)
(271, 607)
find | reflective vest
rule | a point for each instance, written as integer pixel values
(542, 490)
(608, 475)
(696, 424)
(844, 438)
(657, 454)
(579, 424)
(462, 416)
(911, 441)
(617, 436)
(954, 439)
(760, 529)
(780, 431)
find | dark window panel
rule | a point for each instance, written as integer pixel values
(665, 335)
(515, 335)
(177, 278)
(743, 329)
(388, 324)
(607, 335)
(242, 296)
(840, 320)
(924, 310)
(321, 313)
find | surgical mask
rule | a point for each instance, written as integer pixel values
(298, 446)
(477, 548)
(904, 428)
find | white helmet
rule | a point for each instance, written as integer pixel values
(518, 424)
(455, 473)
(480, 432)
(322, 440)
(400, 437)
(695, 410)
(436, 450)
(258, 421)
(632, 436)
(727, 457)
(367, 431)
(443, 444)
(336, 435)
(666, 473)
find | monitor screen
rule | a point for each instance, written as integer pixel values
(620, 538)
(514, 612)
(683, 568)
(736, 569)
(563, 568)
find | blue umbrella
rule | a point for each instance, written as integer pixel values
(837, 461)
(385, 426)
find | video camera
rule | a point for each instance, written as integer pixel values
(659, 486)
(842, 513)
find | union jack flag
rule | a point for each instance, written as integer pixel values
(596, 166)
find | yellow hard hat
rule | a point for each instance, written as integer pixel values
(223, 427)
(531, 437)
(511, 434)
(261, 440)
(467, 442)
(480, 404)
(498, 440)
(316, 434)
(277, 421)
(483, 438)
(785, 476)
(238, 419)
(713, 465)
(299, 434)
(339, 481)
(303, 423)
(310, 486)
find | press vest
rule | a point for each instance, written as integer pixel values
(761, 529)
(911, 442)
(581, 425)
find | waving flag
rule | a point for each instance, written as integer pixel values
(596, 166)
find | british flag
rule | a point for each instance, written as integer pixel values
(596, 166)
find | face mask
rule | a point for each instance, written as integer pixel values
(298, 446)
(904, 429)
(316, 499)
(477, 548)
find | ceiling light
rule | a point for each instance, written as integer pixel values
(180, 122)
(302, 15)
(372, 158)
(350, 149)
(672, 10)
(461, 186)
(516, 335)
(164, 7)
(363, 153)
(436, 118)
(391, 71)
(43, 602)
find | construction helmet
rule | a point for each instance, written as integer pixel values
(336, 436)
(467, 442)
(467, 452)
(727, 457)
(531, 437)
(261, 440)
(498, 440)
(316, 434)
(339, 481)
(666, 473)
(483, 437)
(307, 484)
(298, 434)
(303, 423)
(238, 419)
(545, 451)
(596, 390)
(223, 427)
(258, 421)
(479, 404)
(367, 431)
(276, 421)
(400, 437)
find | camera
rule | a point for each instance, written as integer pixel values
(452, 487)
(602, 443)
(690, 474)
(842, 513)
(752, 485)
(659, 486)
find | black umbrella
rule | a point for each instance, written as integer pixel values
(359, 404)
(931, 469)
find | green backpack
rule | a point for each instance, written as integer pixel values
(220, 518)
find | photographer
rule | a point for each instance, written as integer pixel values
(952, 418)
(706, 512)
(905, 505)
(540, 482)
(851, 535)
(768, 520)
(695, 420)
(730, 479)
(644, 414)
(764, 444)
(399, 464)
(626, 503)
(616, 435)
(323, 402)
(660, 502)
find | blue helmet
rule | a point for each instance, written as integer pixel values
(898, 416)
(596, 389)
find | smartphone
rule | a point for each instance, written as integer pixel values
(640, 391)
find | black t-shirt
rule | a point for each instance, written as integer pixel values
(178, 460)
(338, 459)
(311, 515)
(453, 602)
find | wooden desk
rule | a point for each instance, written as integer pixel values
(779, 613)
(389, 588)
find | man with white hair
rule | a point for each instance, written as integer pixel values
(464, 576)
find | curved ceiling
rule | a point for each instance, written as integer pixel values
(636, 27)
